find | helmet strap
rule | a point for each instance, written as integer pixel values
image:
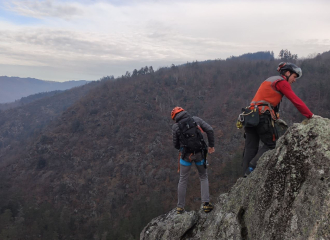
(289, 76)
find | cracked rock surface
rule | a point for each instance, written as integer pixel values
(286, 197)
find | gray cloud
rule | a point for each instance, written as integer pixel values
(112, 37)
(74, 50)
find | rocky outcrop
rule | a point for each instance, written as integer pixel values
(286, 197)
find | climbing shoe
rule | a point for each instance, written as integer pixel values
(179, 210)
(248, 171)
(207, 207)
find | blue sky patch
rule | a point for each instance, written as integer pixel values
(13, 17)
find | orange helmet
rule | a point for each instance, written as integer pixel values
(175, 111)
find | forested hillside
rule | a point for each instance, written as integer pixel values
(28, 99)
(19, 125)
(106, 166)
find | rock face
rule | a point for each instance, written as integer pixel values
(286, 197)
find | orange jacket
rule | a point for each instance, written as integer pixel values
(267, 97)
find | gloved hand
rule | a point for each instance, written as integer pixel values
(316, 116)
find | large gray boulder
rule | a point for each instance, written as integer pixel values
(286, 197)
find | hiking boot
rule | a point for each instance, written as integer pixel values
(207, 207)
(179, 210)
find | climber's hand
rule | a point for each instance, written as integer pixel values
(211, 150)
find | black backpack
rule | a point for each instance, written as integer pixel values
(190, 136)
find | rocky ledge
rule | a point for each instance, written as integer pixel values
(286, 197)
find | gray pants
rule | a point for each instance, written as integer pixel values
(184, 174)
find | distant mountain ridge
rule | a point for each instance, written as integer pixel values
(14, 88)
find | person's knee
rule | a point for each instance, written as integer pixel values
(203, 176)
(183, 178)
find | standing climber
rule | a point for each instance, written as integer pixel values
(188, 139)
(267, 100)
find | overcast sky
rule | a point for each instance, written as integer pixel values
(85, 40)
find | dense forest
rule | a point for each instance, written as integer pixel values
(104, 165)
